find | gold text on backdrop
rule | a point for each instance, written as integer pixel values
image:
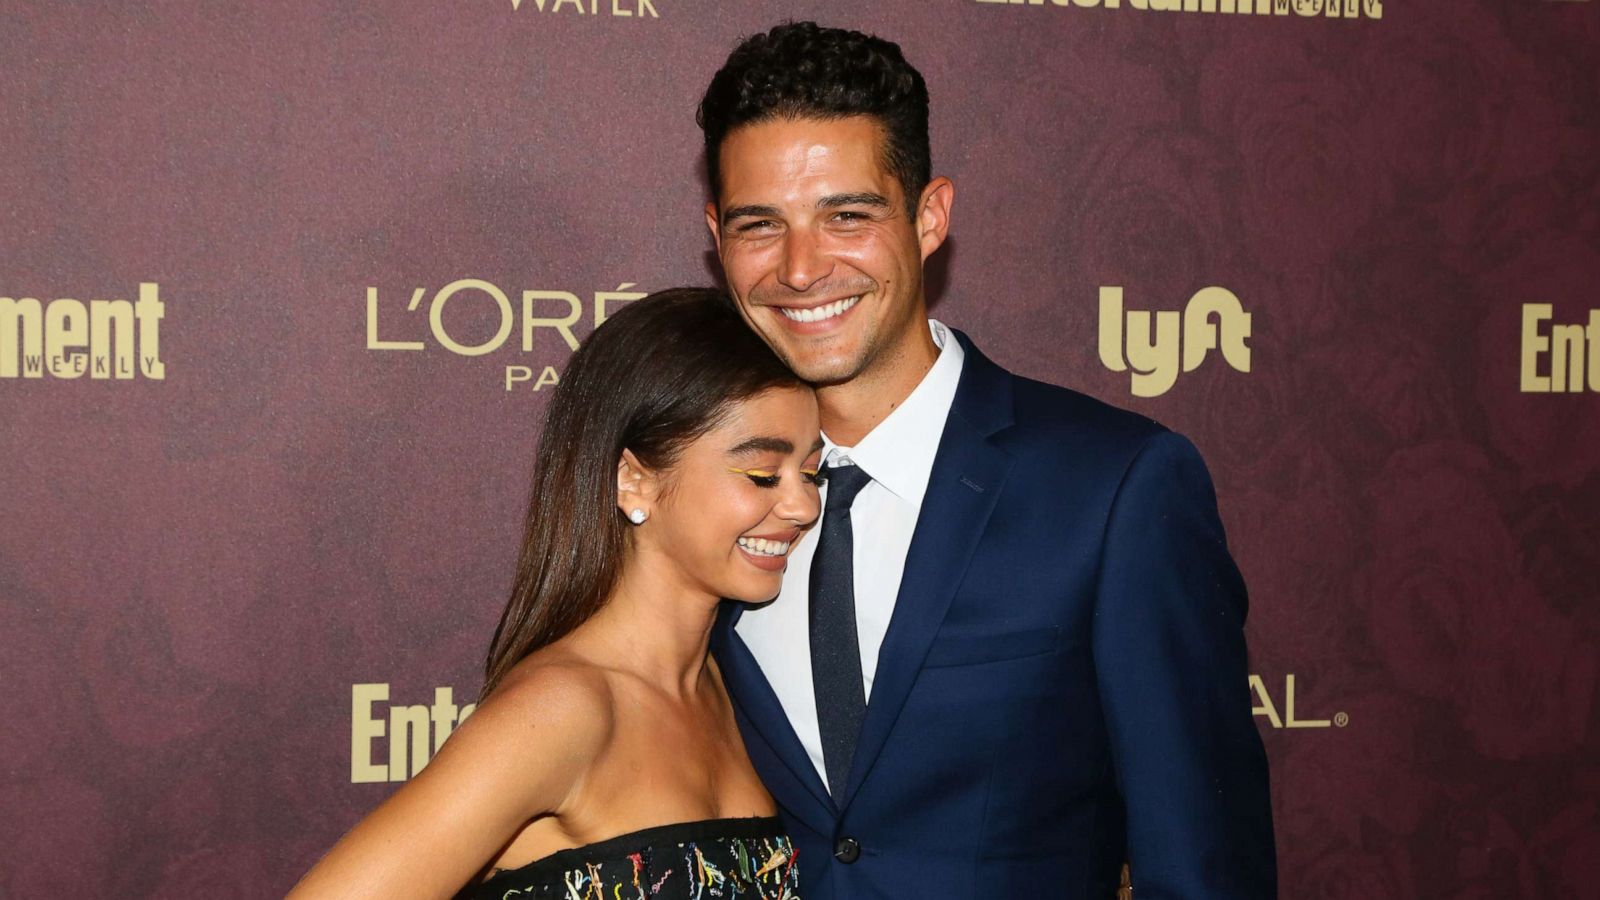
(70, 338)
(1152, 347)
(622, 9)
(483, 302)
(1269, 709)
(1329, 9)
(415, 732)
(1569, 347)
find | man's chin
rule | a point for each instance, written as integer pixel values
(821, 363)
(825, 373)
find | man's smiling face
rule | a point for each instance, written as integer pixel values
(819, 251)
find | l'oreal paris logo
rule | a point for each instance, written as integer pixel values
(482, 301)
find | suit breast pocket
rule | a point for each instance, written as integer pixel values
(953, 648)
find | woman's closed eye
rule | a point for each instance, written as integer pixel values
(768, 478)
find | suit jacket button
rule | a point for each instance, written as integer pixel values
(847, 850)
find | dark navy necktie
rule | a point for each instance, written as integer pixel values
(835, 647)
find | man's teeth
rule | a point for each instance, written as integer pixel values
(822, 312)
(764, 547)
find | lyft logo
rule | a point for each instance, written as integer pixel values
(1150, 344)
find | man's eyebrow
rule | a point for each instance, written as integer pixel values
(752, 211)
(864, 198)
(763, 444)
(832, 201)
(818, 445)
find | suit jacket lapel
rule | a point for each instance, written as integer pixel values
(962, 488)
(753, 694)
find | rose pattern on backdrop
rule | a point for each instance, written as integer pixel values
(194, 572)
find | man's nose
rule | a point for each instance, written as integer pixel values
(804, 263)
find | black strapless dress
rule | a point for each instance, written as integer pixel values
(727, 859)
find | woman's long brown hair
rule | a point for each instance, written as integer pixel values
(655, 376)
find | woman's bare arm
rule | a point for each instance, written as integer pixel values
(517, 757)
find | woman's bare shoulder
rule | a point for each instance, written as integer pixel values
(522, 754)
(552, 701)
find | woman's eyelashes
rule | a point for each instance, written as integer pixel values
(768, 478)
(759, 477)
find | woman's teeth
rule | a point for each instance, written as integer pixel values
(822, 312)
(764, 547)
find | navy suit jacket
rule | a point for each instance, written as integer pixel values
(1063, 684)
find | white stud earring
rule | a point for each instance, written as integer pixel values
(638, 516)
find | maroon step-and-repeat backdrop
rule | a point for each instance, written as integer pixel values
(285, 288)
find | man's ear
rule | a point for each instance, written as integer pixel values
(636, 485)
(933, 214)
(714, 223)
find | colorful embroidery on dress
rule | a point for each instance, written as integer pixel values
(753, 868)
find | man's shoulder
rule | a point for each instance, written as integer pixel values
(1059, 428)
(1048, 408)
(1064, 418)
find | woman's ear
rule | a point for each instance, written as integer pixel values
(636, 488)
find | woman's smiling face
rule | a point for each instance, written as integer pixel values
(737, 499)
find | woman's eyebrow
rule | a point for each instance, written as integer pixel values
(763, 444)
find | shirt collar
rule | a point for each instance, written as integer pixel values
(898, 453)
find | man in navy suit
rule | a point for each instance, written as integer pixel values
(1010, 657)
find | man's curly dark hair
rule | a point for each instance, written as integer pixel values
(801, 70)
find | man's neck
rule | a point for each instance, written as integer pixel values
(850, 410)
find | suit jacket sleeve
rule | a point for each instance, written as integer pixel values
(1173, 679)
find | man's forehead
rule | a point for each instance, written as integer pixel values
(764, 154)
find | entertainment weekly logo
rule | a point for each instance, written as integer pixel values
(476, 307)
(65, 338)
(1160, 346)
(412, 734)
(1559, 359)
(1305, 9)
(393, 742)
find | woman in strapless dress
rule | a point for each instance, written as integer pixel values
(677, 467)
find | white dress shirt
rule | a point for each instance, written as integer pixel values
(898, 454)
